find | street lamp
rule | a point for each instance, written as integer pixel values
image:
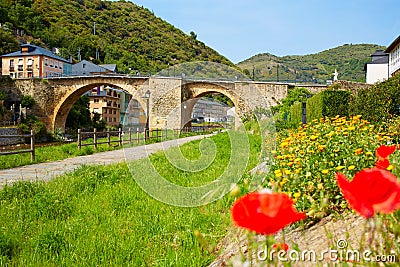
(146, 132)
(184, 117)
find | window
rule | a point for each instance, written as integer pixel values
(11, 63)
(12, 74)
(56, 64)
(83, 65)
(29, 62)
(20, 74)
(95, 110)
(96, 100)
(51, 63)
(115, 111)
(115, 119)
(20, 61)
(30, 74)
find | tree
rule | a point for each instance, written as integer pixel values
(27, 101)
(79, 115)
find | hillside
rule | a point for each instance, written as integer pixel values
(348, 59)
(122, 33)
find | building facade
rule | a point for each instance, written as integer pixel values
(34, 61)
(378, 69)
(105, 101)
(116, 107)
(209, 110)
(394, 57)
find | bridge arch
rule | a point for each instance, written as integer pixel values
(73, 93)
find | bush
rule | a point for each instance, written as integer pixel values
(380, 102)
(296, 113)
(329, 103)
(27, 101)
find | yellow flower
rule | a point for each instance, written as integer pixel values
(368, 153)
(339, 168)
(351, 167)
(336, 150)
(287, 172)
(325, 171)
(351, 128)
(278, 174)
(313, 137)
(284, 181)
(358, 151)
(296, 195)
(320, 186)
(322, 148)
(277, 171)
(390, 168)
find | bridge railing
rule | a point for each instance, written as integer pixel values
(32, 141)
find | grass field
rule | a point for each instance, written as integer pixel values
(99, 216)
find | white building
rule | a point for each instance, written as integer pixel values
(378, 69)
(394, 57)
(209, 110)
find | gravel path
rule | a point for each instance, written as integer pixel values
(49, 170)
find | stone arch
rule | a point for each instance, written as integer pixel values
(65, 104)
(192, 92)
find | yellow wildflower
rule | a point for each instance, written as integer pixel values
(339, 168)
(351, 167)
(296, 195)
(325, 171)
(358, 151)
(390, 168)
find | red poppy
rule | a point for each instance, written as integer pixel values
(371, 190)
(383, 153)
(280, 246)
(265, 212)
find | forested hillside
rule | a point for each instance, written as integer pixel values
(348, 59)
(122, 33)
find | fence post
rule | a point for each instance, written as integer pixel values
(137, 135)
(79, 139)
(32, 146)
(130, 135)
(108, 137)
(95, 138)
(120, 136)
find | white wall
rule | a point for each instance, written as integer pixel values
(376, 73)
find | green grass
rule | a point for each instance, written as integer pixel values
(99, 216)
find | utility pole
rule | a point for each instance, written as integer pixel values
(79, 54)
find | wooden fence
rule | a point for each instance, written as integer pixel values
(31, 150)
(137, 135)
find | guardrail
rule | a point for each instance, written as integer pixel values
(32, 150)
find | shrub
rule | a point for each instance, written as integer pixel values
(380, 102)
(296, 113)
(27, 101)
(329, 103)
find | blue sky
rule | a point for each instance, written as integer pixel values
(239, 29)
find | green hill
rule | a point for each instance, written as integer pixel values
(348, 59)
(125, 34)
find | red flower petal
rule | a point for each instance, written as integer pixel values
(280, 246)
(382, 163)
(371, 190)
(264, 212)
(385, 151)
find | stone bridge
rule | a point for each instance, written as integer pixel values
(55, 96)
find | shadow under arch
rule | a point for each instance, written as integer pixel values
(63, 108)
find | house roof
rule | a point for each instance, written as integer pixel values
(111, 67)
(34, 50)
(393, 45)
(86, 68)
